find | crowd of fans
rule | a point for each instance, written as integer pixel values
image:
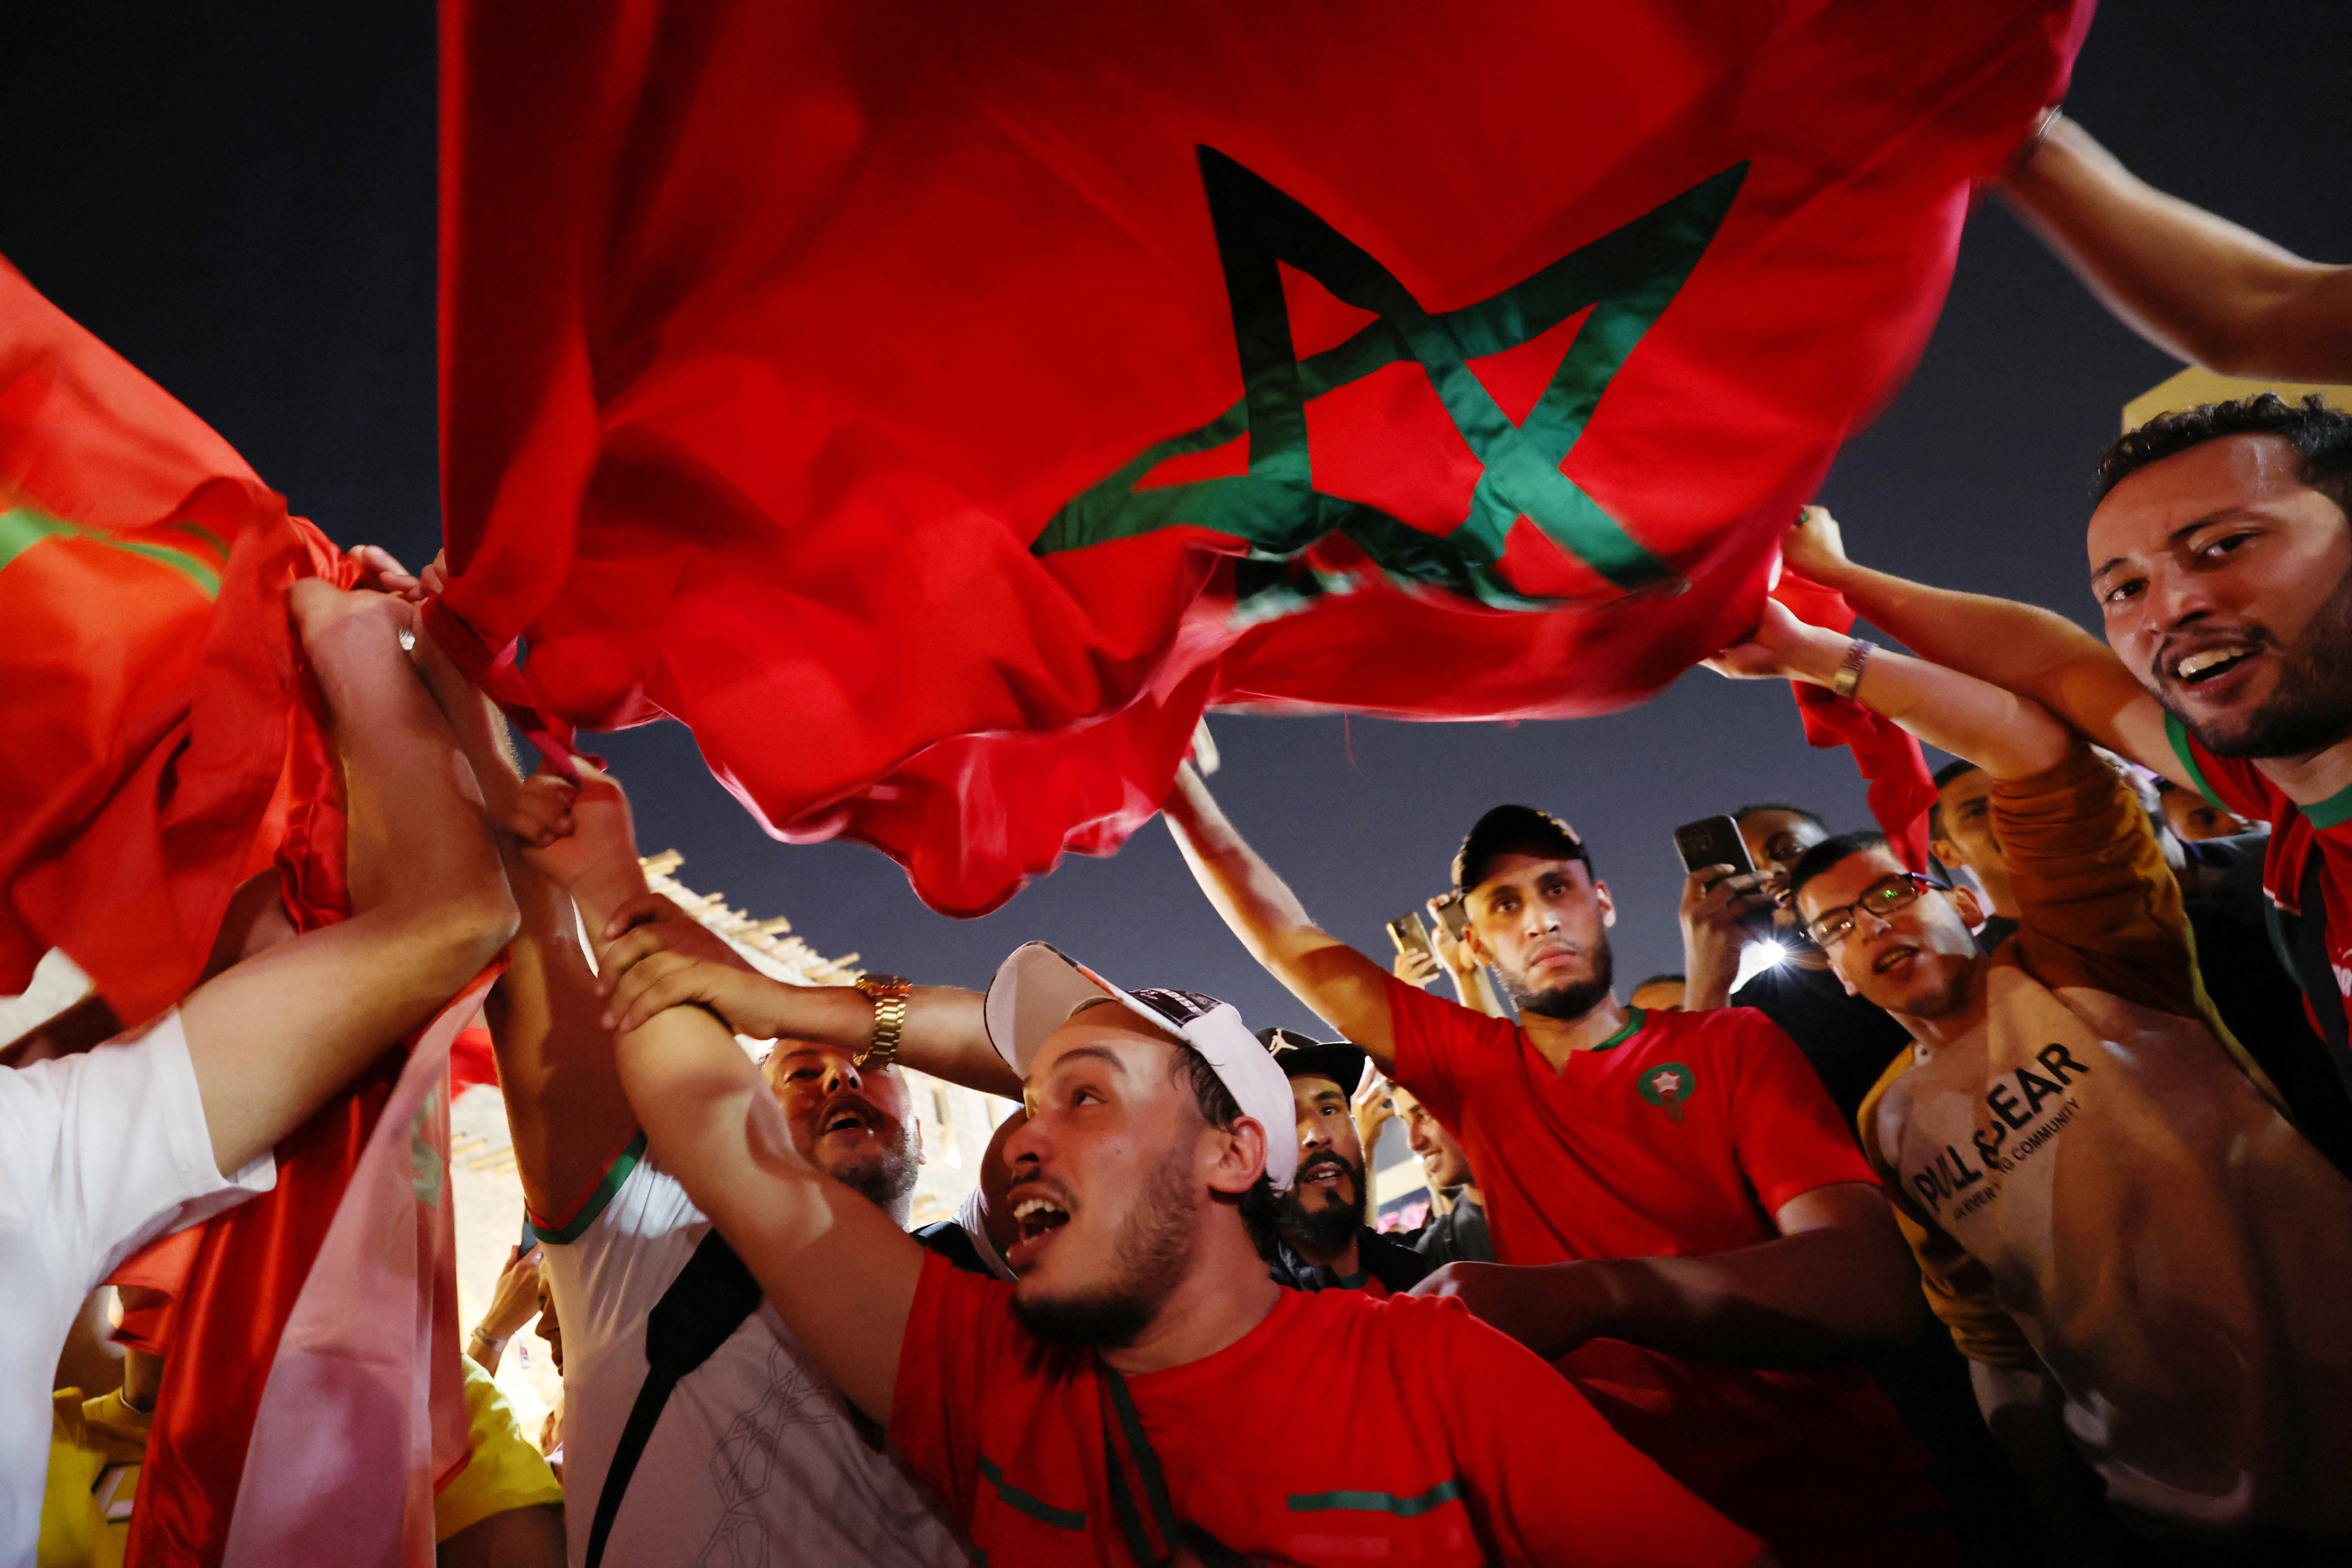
(2079, 1087)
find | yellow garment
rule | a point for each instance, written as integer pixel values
(502, 1469)
(2096, 1184)
(95, 1450)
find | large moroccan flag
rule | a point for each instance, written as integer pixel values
(936, 407)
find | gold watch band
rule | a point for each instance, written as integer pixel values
(1849, 676)
(888, 992)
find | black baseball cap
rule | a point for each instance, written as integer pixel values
(1514, 830)
(1299, 1055)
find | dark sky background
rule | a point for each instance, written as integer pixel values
(240, 198)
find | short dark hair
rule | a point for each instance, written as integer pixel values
(1759, 807)
(1219, 1109)
(1661, 980)
(1514, 830)
(1957, 768)
(1821, 857)
(2321, 436)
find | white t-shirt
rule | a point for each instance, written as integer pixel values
(755, 1461)
(99, 1154)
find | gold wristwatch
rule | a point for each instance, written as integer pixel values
(1849, 676)
(888, 992)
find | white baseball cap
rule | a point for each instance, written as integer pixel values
(1038, 988)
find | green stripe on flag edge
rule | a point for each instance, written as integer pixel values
(1378, 1502)
(21, 528)
(1628, 276)
(1036, 1509)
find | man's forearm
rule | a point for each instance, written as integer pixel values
(2024, 649)
(2189, 281)
(945, 1034)
(1800, 1300)
(1347, 990)
(838, 1270)
(2007, 735)
(1253, 900)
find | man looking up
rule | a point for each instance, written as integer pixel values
(1682, 1200)
(1959, 831)
(632, 1264)
(1145, 1383)
(1325, 1242)
(2220, 558)
(2112, 1216)
(103, 1151)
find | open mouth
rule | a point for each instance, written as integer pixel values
(844, 1118)
(1326, 1174)
(1892, 958)
(2210, 664)
(1039, 1219)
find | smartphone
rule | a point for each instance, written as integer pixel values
(1411, 934)
(1712, 841)
(1456, 916)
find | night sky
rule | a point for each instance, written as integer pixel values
(240, 198)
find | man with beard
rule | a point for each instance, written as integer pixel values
(696, 1429)
(2136, 1250)
(2221, 557)
(1140, 1393)
(1697, 1241)
(1324, 1243)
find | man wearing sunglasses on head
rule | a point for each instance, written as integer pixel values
(2144, 1261)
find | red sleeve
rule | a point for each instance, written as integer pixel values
(1578, 1494)
(1788, 1135)
(1433, 1039)
(953, 1336)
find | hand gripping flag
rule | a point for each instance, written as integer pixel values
(158, 750)
(1901, 787)
(938, 409)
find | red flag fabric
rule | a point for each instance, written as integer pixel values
(161, 750)
(147, 660)
(1901, 787)
(363, 1413)
(936, 408)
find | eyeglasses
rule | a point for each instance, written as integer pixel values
(1881, 899)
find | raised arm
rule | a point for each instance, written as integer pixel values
(277, 1034)
(1346, 989)
(2033, 652)
(2193, 284)
(839, 1270)
(562, 1091)
(2007, 735)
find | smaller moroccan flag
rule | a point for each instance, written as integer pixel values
(160, 751)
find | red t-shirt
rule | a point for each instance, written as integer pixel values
(1682, 1137)
(1341, 1430)
(2235, 783)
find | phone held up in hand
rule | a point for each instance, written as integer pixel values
(1411, 934)
(1455, 914)
(1712, 841)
